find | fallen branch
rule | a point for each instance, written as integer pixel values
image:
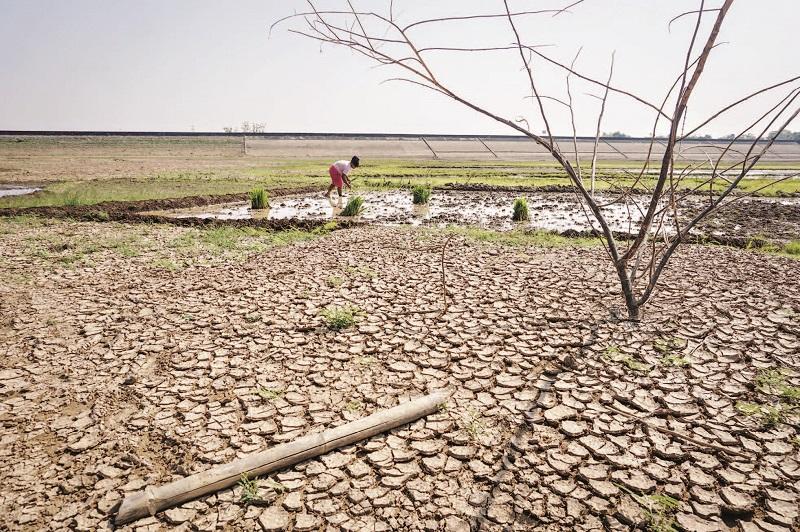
(154, 499)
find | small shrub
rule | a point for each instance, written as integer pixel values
(354, 207)
(338, 318)
(520, 210)
(792, 248)
(421, 194)
(258, 199)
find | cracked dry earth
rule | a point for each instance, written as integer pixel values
(118, 373)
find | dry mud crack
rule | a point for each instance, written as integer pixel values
(116, 374)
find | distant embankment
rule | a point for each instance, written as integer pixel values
(411, 146)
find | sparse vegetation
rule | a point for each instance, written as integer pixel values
(792, 248)
(258, 199)
(421, 194)
(659, 511)
(520, 210)
(674, 360)
(249, 489)
(353, 406)
(268, 394)
(769, 381)
(473, 425)
(768, 415)
(334, 281)
(613, 353)
(166, 264)
(544, 239)
(338, 318)
(354, 207)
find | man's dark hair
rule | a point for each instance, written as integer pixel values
(355, 161)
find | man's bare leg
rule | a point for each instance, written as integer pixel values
(330, 189)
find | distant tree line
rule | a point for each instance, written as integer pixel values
(247, 127)
(778, 135)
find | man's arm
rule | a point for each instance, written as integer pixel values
(346, 180)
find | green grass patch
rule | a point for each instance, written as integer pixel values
(538, 238)
(520, 210)
(792, 248)
(354, 207)
(421, 194)
(613, 353)
(339, 318)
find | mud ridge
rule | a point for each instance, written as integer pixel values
(115, 209)
(481, 187)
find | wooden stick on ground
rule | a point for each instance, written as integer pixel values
(154, 499)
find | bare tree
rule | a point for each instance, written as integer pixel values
(639, 261)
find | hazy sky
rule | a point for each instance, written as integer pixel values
(208, 64)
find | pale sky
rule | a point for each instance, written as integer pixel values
(178, 65)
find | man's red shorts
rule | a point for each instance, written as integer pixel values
(336, 176)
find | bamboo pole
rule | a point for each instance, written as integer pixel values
(151, 500)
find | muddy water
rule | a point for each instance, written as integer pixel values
(548, 211)
(10, 190)
(555, 212)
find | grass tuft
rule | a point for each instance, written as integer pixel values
(354, 207)
(520, 210)
(338, 318)
(421, 194)
(249, 489)
(258, 199)
(792, 248)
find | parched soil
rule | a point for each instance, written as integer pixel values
(118, 372)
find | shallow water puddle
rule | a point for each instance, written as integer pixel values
(551, 211)
(6, 190)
